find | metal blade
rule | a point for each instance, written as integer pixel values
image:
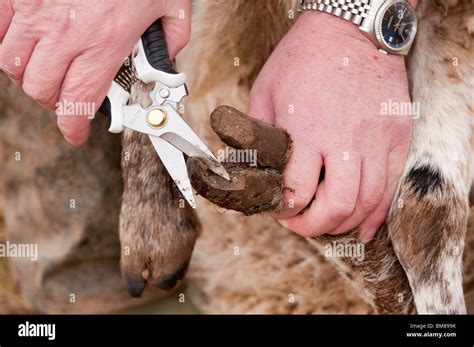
(173, 159)
(194, 151)
(186, 140)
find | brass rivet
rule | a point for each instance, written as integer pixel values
(156, 117)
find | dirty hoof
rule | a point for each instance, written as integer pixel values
(272, 145)
(252, 189)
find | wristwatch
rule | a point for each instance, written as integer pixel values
(390, 24)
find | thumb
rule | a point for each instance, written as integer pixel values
(177, 27)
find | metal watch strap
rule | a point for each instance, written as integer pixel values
(354, 11)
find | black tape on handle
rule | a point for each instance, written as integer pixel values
(156, 50)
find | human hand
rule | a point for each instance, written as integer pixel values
(326, 84)
(68, 51)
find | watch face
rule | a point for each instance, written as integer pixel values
(398, 25)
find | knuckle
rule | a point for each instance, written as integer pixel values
(11, 69)
(298, 202)
(367, 204)
(377, 219)
(370, 201)
(32, 90)
(37, 93)
(340, 208)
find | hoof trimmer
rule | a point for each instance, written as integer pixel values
(170, 135)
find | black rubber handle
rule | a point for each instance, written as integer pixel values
(156, 50)
(106, 108)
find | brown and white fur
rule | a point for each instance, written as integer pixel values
(415, 262)
(428, 229)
